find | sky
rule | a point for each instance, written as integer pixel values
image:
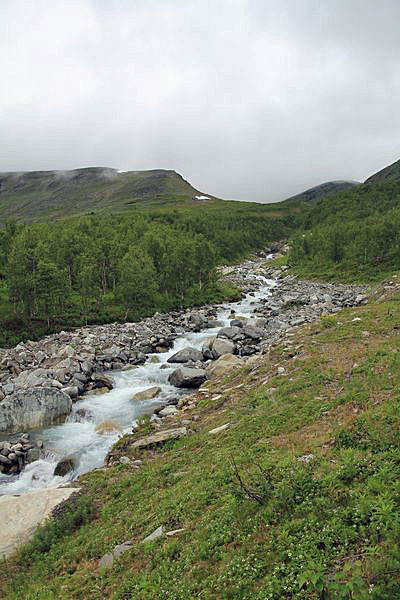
(247, 99)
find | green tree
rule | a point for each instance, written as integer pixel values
(137, 282)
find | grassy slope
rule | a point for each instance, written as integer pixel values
(338, 400)
(314, 194)
(44, 201)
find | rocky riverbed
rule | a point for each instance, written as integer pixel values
(41, 381)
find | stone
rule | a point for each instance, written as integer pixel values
(72, 391)
(21, 515)
(168, 411)
(253, 333)
(160, 437)
(64, 466)
(106, 561)
(102, 380)
(186, 355)
(221, 346)
(33, 408)
(148, 394)
(219, 429)
(185, 377)
(108, 427)
(224, 365)
(125, 460)
(157, 533)
(230, 332)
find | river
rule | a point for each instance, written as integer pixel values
(77, 437)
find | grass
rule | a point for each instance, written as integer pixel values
(328, 528)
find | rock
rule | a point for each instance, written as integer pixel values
(160, 437)
(280, 371)
(185, 355)
(106, 561)
(220, 428)
(34, 408)
(229, 332)
(158, 533)
(64, 466)
(253, 333)
(186, 377)
(148, 394)
(167, 411)
(21, 515)
(221, 346)
(72, 391)
(102, 380)
(108, 427)
(236, 323)
(175, 532)
(125, 460)
(224, 365)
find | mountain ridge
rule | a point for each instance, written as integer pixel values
(43, 195)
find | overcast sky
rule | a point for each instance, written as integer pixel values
(247, 99)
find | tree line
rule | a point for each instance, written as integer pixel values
(102, 268)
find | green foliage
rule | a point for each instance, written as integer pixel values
(328, 528)
(352, 236)
(96, 269)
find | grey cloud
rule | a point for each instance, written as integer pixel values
(248, 99)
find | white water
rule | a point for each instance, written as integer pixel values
(80, 439)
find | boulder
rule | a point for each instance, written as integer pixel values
(38, 407)
(185, 377)
(229, 332)
(224, 365)
(102, 380)
(21, 515)
(254, 333)
(185, 355)
(64, 466)
(148, 394)
(160, 437)
(108, 427)
(222, 346)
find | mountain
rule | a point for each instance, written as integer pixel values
(46, 195)
(317, 192)
(390, 173)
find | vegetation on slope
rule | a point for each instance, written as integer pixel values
(390, 173)
(300, 527)
(99, 269)
(316, 193)
(48, 195)
(353, 236)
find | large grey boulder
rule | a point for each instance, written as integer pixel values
(230, 332)
(38, 407)
(185, 355)
(221, 346)
(254, 333)
(213, 347)
(187, 378)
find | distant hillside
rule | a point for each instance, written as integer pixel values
(314, 194)
(45, 195)
(390, 173)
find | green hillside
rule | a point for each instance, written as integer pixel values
(323, 529)
(390, 173)
(48, 195)
(318, 192)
